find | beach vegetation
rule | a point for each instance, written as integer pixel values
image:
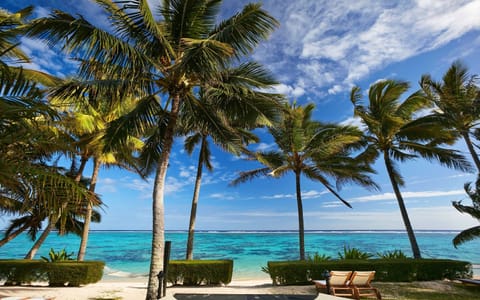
(319, 151)
(386, 270)
(317, 257)
(55, 256)
(456, 100)
(200, 272)
(161, 55)
(395, 254)
(58, 273)
(393, 133)
(353, 253)
(473, 210)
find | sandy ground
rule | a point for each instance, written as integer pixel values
(137, 289)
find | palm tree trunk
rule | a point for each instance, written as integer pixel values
(158, 208)
(83, 163)
(40, 240)
(301, 229)
(13, 235)
(474, 155)
(196, 193)
(88, 214)
(403, 209)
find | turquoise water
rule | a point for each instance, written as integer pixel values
(127, 253)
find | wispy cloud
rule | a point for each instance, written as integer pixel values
(330, 45)
(222, 196)
(305, 195)
(406, 195)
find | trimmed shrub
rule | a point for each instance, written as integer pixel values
(388, 270)
(64, 273)
(198, 272)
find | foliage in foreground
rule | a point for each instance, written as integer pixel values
(62, 273)
(387, 270)
(198, 272)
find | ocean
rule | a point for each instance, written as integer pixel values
(127, 253)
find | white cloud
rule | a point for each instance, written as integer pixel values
(222, 196)
(290, 91)
(354, 121)
(333, 44)
(305, 195)
(264, 146)
(406, 195)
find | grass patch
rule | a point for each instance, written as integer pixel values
(427, 290)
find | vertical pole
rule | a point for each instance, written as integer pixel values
(166, 259)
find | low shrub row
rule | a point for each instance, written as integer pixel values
(197, 272)
(388, 270)
(64, 273)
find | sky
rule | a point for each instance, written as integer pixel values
(320, 51)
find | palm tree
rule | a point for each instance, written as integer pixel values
(238, 82)
(315, 150)
(85, 119)
(457, 102)
(392, 132)
(148, 56)
(474, 211)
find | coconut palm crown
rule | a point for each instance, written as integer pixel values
(320, 152)
(392, 132)
(457, 103)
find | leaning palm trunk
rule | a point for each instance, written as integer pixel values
(403, 209)
(41, 239)
(474, 155)
(158, 209)
(14, 234)
(196, 193)
(88, 214)
(301, 229)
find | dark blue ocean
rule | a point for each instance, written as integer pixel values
(127, 253)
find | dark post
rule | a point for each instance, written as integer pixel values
(160, 284)
(326, 274)
(166, 260)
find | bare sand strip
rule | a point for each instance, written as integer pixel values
(136, 289)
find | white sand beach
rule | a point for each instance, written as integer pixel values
(136, 289)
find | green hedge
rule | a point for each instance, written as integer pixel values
(388, 270)
(197, 272)
(70, 273)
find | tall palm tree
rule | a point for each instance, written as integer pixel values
(243, 82)
(393, 132)
(167, 55)
(474, 211)
(318, 151)
(457, 102)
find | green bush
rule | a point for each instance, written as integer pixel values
(62, 273)
(353, 253)
(198, 272)
(58, 256)
(388, 270)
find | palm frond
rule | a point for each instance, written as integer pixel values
(466, 235)
(245, 30)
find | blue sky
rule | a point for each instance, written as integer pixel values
(320, 51)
